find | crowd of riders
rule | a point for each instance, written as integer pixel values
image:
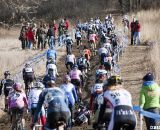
(51, 104)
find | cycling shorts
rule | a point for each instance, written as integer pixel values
(120, 119)
(76, 82)
(15, 111)
(54, 117)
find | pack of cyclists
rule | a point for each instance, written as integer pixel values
(51, 104)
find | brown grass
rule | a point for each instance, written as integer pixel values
(150, 24)
(11, 54)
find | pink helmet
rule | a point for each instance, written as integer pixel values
(17, 86)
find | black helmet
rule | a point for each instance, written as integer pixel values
(114, 80)
(6, 73)
(148, 77)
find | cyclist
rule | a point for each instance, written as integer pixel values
(50, 61)
(33, 100)
(17, 101)
(52, 53)
(78, 37)
(28, 75)
(119, 101)
(102, 53)
(52, 70)
(70, 60)
(57, 106)
(101, 73)
(92, 41)
(82, 64)
(47, 78)
(77, 79)
(96, 99)
(149, 98)
(71, 93)
(69, 43)
(108, 62)
(6, 86)
(87, 54)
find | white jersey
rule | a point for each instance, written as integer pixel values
(102, 50)
(101, 71)
(97, 88)
(53, 67)
(28, 69)
(118, 97)
(70, 58)
(78, 34)
(33, 97)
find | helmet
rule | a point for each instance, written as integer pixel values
(148, 77)
(75, 66)
(114, 80)
(38, 84)
(67, 78)
(27, 64)
(6, 73)
(17, 86)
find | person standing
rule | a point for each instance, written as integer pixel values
(132, 25)
(150, 99)
(136, 36)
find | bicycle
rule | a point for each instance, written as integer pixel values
(16, 119)
(93, 48)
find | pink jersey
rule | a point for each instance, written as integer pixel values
(17, 100)
(92, 37)
(75, 74)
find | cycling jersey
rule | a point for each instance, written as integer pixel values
(101, 71)
(71, 93)
(108, 59)
(52, 69)
(70, 58)
(108, 46)
(102, 50)
(82, 63)
(120, 102)
(68, 41)
(17, 100)
(78, 34)
(6, 85)
(96, 96)
(75, 74)
(51, 53)
(56, 100)
(92, 38)
(87, 54)
(33, 97)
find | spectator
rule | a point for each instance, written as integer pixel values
(66, 24)
(23, 36)
(136, 36)
(55, 28)
(30, 37)
(150, 98)
(50, 35)
(132, 30)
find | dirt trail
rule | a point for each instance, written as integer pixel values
(135, 63)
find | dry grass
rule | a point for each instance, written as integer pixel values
(11, 55)
(150, 24)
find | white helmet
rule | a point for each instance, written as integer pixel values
(38, 84)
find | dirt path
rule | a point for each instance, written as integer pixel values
(135, 63)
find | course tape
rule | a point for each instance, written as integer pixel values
(146, 113)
